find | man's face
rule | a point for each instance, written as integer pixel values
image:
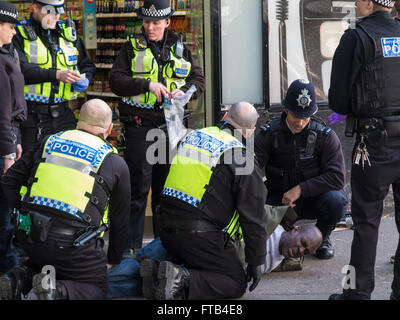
(155, 29)
(297, 124)
(363, 8)
(297, 244)
(47, 15)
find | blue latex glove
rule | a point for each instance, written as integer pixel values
(81, 86)
(337, 117)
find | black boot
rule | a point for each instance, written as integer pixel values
(14, 282)
(173, 282)
(325, 251)
(148, 273)
(48, 291)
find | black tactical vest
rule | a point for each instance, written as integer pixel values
(289, 163)
(377, 92)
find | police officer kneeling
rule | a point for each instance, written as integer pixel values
(74, 182)
(304, 163)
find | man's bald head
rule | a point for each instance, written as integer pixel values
(95, 116)
(300, 241)
(242, 115)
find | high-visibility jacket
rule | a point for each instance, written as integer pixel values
(66, 179)
(146, 66)
(66, 58)
(191, 168)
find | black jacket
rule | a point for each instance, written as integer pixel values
(34, 74)
(330, 173)
(226, 193)
(122, 83)
(11, 99)
(348, 61)
(115, 173)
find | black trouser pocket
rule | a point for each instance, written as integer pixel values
(40, 227)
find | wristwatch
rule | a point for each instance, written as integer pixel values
(10, 156)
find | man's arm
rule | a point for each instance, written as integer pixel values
(251, 195)
(119, 209)
(85, 63)
(332, 166)
(261, 148)
(121, 81)
(195, 77)
(7, 144)
(346, 65)
(18, 175)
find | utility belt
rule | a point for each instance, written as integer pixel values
(40, 228)
(187, 226)
(388, 126)
(54, 110)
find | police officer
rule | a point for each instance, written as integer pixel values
(365, 83)
(12, 112)
(151, 66)
(56, 67)
(74, 183)
(303, 163)
(213, 192)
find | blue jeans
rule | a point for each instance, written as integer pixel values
(8, 253)
(328, 208)
(124, 280)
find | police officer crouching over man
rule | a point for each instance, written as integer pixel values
(303, 163)
(365, 86)
(152, 66)
(74, 183)
(56, 67)
(12, 112)
(214, 191)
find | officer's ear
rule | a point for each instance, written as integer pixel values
(109, 130)
(168, 22)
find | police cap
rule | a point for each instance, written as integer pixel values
(57, 4)
(8, 12)
(300, 99)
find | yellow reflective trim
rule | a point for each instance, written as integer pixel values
(71, 191)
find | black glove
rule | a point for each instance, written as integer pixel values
(253, 272)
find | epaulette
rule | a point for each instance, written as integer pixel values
(140, 41)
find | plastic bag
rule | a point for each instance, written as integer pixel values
(174, 113)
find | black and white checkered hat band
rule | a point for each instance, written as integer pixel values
(10, 14)
(156, 13)
(384, 3)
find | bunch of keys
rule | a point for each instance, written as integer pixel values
(361, 154)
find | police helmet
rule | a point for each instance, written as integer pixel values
(300, 99)
(8, 12)
(57, 4)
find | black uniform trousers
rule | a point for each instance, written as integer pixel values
(211, 258)
(45, 124)
(82, 270)
(148, 163)
(369, 188)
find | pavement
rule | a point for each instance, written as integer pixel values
(320, 278)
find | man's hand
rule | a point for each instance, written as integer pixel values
(109, 266)
(68, 76)
(19, 152)
(291, 196)
(177, 93)
(253, 272)
(7, 164)
(159, 90)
